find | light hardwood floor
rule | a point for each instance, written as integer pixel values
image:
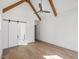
(38, 50)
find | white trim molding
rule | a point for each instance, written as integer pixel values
(0, 54)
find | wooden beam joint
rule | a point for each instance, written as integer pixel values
(33, 8)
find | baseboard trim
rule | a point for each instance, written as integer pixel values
(56, 45)
(0, 54)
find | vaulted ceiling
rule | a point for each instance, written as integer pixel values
(31, 5)
(55, 6)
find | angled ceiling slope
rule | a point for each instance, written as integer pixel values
(31, 5)
(20, 2)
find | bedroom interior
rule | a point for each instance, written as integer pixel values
(39, 29)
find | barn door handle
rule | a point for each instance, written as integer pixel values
(17, 36)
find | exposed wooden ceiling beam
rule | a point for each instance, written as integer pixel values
(12, 6)
(20, 2)
(33, 8)
(53, 7)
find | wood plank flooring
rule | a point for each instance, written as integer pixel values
(38, 50)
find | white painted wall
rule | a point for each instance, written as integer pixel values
(0, 37)
(67, 31)
(1, 28)
(60, 30)
(0, 45)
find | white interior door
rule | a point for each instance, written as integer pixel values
(5, 33)
(22, 33)
(13, 41)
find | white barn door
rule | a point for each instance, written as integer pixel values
(5, 37)
(22, 34)
(13, 41)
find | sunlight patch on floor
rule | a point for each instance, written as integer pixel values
(53, 57)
